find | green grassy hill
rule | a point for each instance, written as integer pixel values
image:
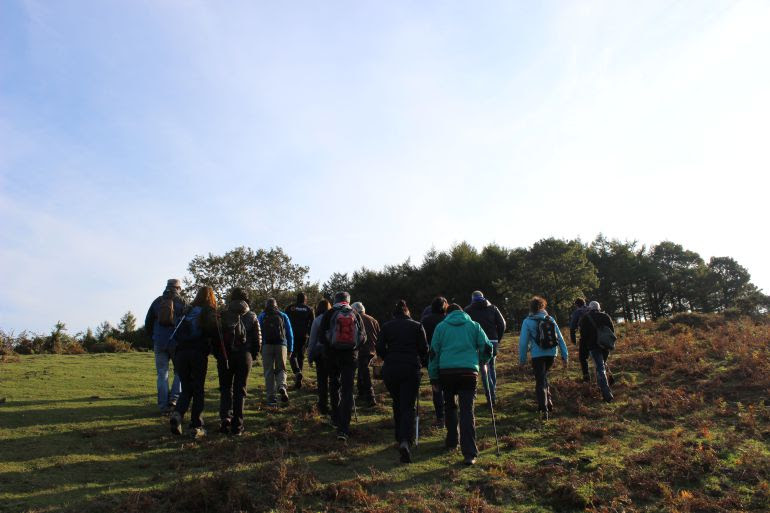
(689, 431)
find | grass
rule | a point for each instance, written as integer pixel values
(689, 432)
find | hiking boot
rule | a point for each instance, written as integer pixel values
(197, 433)
(544, 415)
(403, 449)
(451, 446)
(608, 398)
(298, 381)
(284, 395)
(237, 432)
(342, 436)
(469, 460)
(176, 423)
(224, 427)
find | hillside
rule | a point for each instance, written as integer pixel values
(689, 431)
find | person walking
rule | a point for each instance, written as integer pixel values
(365, 355)
(342, 333)
(316, 354)
(574, 322)
(241, 341)
(541, 337)
(404, 350)
(429, 322)
(493, 324)
(191, 358)
(589, 327)
(162, 317)
(301, 317)
(278, 344)
(458, 349)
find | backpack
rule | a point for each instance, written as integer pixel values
(546, 333)
(344, 332)
(166, 311)
(189, 328)
(233, 331)
(605, 337)
(273, 330)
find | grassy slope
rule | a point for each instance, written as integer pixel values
(688, 432)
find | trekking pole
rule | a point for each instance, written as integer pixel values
(355, 410)
(492, 409)
(417, 419)
(221, 341)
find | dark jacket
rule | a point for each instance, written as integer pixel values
(160, 334)
(429, 323)
(372, 328)
(206, 318)
(402, 341)
(288, 340)
(250, 324)
(301, 317)
(489, 317)
(587, 330)
(326, 324)
(574, 322)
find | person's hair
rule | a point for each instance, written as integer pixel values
(453, 307)
(271, 303)
(439, 305)
(322, 307)
(537, 303)
(205, 297)
(580, 302)
(301, 298)
(239, 294)
(359, 307)
(401, 308)
(341, 296)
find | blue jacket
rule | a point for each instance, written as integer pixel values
(160, 334)
(289, 341)
(529, 334)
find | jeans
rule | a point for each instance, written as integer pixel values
(162, 359)
(364, 378)
(488, 372)
(460, 387)
(192, 365)
(233, 378)
(274, 365)
(297, 360)
(342, 370)
(403, 384)
(540, 368)
(600, 360)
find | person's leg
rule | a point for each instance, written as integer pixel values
(538, 368)
(492, 372)
(225, 375)
(601, 375)
(410, 384)
(268, 366)
(583, 356)
(322, 377)
(184, 364)
(242, 369)
(483, 374)
(176, 388)
(438, 403)
(200, 368)
(335, 373)
(299, 352)
(547, 362)
(610, 377)
(467, 394)
(161, 368)
(393, 386)
(449, 391)
(364, 379)
(348, 371)
(280, 372)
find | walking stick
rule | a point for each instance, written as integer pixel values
(492, 409)
(417, 419)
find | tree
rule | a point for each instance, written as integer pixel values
(127, 325)
(337, 282)
(104, 330)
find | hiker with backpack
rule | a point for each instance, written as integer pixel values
(458, 350)
(598, 333)
(192, 336)
(493, 324)
(366, 354)
(404, 350)
(162, 317)
(429, 321)
(574, 322)
(315, 354)
(540, 336)
(239, 340)
(278, 344)
(342, 332)
(301, 318)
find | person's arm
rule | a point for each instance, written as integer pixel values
(289, 334)
(256, 345)
(149, 320)
(311, 346)
(434, 358)
(500, 324)
(562, 345)
(380, 347)
(361, 329)
(422, 345)
(483, 345)
(523, 340)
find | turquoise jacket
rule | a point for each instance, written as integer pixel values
(527, 339)
(458, 343)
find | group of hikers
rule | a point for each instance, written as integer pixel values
(457, 345)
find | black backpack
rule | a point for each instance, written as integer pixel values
(273, 330)
(546, 333)
(233, 331)
(605, 337)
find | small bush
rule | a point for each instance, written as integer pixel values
(111, 345)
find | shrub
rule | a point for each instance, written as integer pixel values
(111, 345)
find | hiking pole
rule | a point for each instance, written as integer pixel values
(417, 418)
(355, 410)
(492, 409)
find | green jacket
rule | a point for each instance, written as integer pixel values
(458, 343)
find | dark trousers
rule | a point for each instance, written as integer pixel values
(438, 401)
(232, 387)
(191, 365)
(583, 356)
(322, 373)
(342, 371)
(462, 388)
(403, 384)
(364, 378)
(297, 360)
(540, 368)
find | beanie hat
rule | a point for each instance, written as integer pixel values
(173, 283)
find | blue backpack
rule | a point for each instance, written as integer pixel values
(189, 328)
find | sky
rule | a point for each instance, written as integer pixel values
(137, 134)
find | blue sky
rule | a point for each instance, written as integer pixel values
(137, 134)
